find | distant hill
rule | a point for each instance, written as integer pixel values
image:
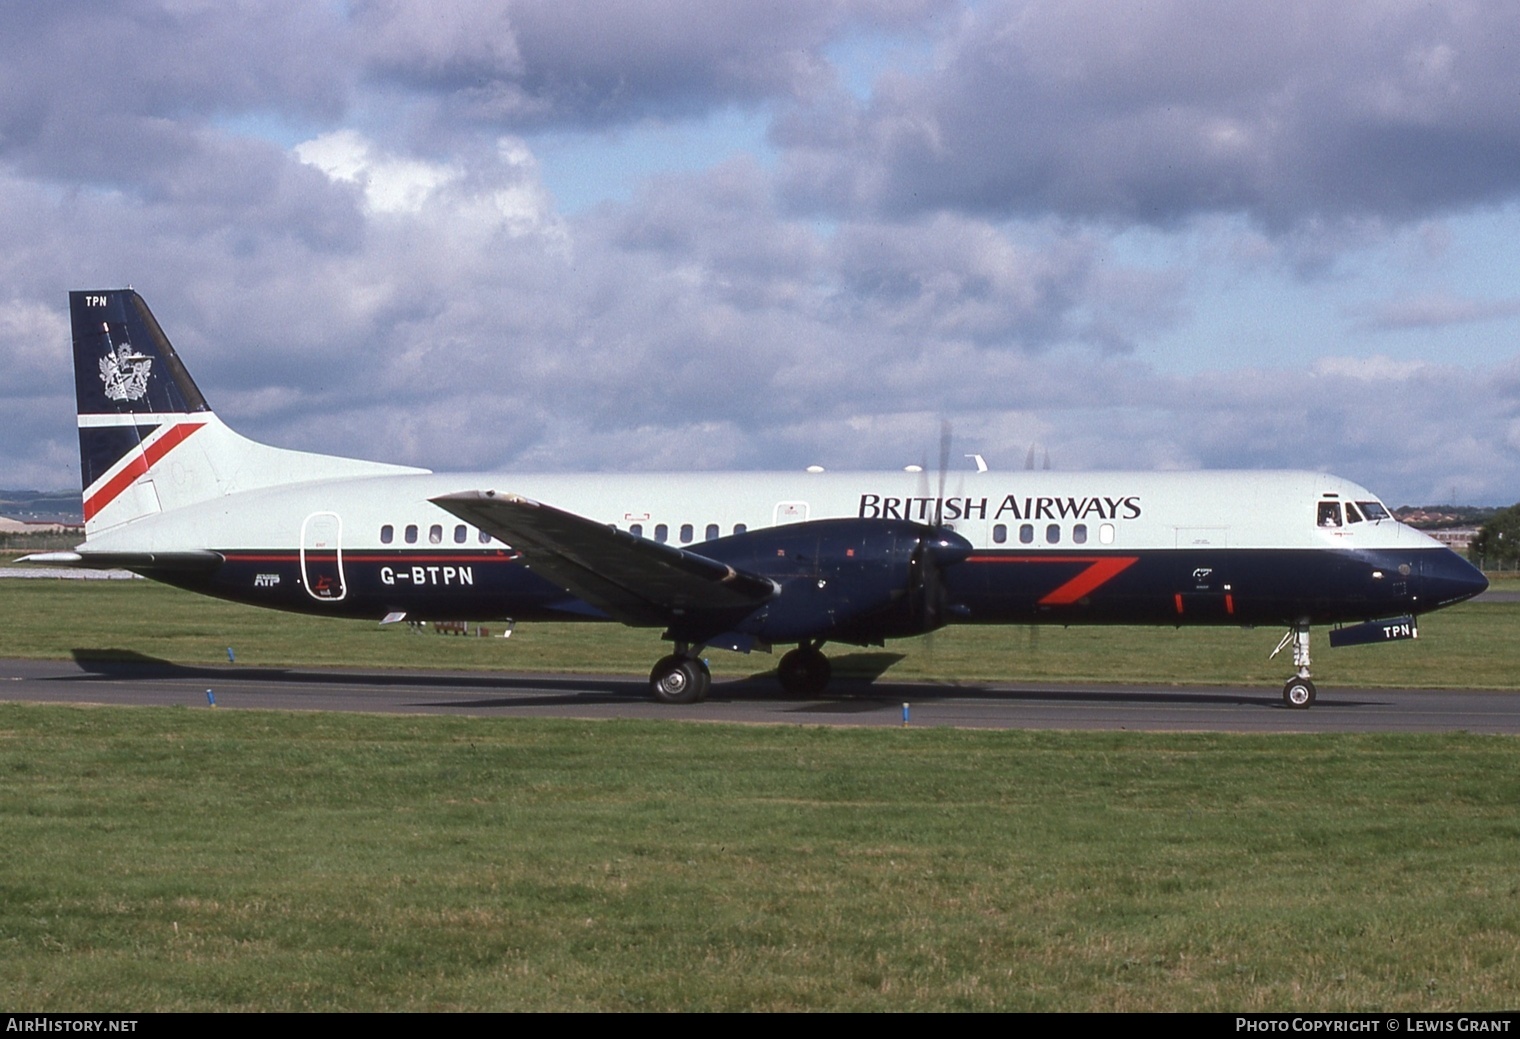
(42, 506)
(1442, 517)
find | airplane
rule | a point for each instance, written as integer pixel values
(738, 561)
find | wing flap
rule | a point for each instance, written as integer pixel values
(633, 579)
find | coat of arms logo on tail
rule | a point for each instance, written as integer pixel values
(125, 373)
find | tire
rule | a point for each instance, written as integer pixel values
(804, 671)
(678, 680)
(661, 666)
(1299, 694)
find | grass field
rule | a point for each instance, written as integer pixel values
(163, 859)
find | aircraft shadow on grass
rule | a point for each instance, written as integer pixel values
(858, 686)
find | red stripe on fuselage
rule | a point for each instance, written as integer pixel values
(1100, 570)
(146, 459)
(369, 555)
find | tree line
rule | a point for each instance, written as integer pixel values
(1497, 545)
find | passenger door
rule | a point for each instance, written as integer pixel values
(322, 557)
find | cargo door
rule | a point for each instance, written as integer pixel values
(1203, 592)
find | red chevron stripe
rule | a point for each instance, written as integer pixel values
(145, 460)
(1100, 570)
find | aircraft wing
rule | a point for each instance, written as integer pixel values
(633, 579)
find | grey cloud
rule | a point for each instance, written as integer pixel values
(509, 353)
(1434, 311)
(726, 218)
(593, 62)
(101, 92)
(431, 338)
(1354, 426)
(968, 279)
(1155, 112)
(943, 278)
(709, 323)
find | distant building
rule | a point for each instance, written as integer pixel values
(15, 526)
(1455, 538)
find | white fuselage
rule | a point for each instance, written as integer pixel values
(1099, 511)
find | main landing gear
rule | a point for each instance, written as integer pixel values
(804, 670)
(1299, 691)
(683, 678)
(680, 678)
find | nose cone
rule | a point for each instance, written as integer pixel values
(1451, 579)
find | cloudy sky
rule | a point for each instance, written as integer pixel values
(674, 234)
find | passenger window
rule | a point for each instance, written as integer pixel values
(460, 534)
(411, 533)
(740, 528)
(999, 533)
(1026, 534)
(1053, 534)
(661, 533)
(435, 534)
(637, 530)
(712, 532)
(1329, 513)
(686, 533)
(1079, 534)
(1106, 533)
(484, 538)
(387, 534)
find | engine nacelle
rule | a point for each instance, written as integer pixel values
(849, 580)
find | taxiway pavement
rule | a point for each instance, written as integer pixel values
(963, 704)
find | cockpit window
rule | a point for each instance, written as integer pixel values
(1374, 510)
(1329, 514)
(1352, 514)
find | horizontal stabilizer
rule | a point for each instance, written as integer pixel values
(632, 579)
(160, 562)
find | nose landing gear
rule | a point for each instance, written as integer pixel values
(1299, 692)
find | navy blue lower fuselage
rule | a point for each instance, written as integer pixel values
(1207, 586)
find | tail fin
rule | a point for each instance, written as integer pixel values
(138, 406)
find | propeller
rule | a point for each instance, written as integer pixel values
(935, 551)
(944, 472)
